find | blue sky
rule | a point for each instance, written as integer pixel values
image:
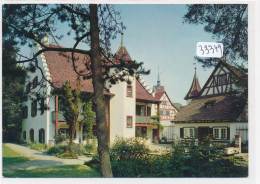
(157, 36)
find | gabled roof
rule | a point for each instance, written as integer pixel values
(217, 108)
(61, 69)
(143, 95)
(240, 74)
(158, 95)
(194, 89)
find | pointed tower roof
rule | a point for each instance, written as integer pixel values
(194, 89)
(122, 53)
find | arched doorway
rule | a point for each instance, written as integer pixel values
(31, 135)
(41, 136)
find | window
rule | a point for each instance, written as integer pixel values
(25, 112)
(35, 82)
(31, 135)
(129, 90)
(222, 79)
(41, 136)
(42, 105)
(189, 132)
(220, 132)
(34, 108)
(216, 133)
(129, 121)
(140, 110)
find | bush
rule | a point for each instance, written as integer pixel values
(76, 149)
(132, 148)
(67, 155)
(59, 138)
(57, 149)
(131, 158)
(90, 149)
(39, 147)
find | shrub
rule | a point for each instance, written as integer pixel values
(59, 138)
(67, 155)
(39, 147)
(132, 148)
(57, 149)
(90, 149)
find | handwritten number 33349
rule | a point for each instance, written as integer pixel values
(206, 49)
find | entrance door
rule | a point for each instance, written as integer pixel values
(203, 133)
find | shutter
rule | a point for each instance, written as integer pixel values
(181, 133)
(196, 133)
(211, 133)
(228, 133)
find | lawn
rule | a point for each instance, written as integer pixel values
(11, 158)
(67, 171)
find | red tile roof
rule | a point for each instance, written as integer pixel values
(143, 95)
(159, 94)
(194, 89)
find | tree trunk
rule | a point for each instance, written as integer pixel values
(99, 99)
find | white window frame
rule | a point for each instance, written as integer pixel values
(189, 132)
(220, 136)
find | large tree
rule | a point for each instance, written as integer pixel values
(228, 23)
(13, 85)
(92, 26)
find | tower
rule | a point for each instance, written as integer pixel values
(195, 87)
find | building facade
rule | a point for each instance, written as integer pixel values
(127, 103)
(218, 110)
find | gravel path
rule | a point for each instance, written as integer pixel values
(39, 159)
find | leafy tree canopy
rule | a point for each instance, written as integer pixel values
(228, 23)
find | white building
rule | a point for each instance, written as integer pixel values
(122, 101)
(218, 110)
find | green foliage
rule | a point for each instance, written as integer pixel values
(39, 147)
(77, 149)
(186, 160)
(90, 149)
(67, 155)
(13, 85)
(132, 148)
(228, 23)
(59, 138)
(88, 119)
(57, 149)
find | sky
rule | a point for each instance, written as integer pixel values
(157, 36)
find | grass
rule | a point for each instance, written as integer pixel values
(11, 157)
(67, 171)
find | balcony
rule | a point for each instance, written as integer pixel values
(145, 119)
(60, 116)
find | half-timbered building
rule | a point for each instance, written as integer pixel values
(219, 109)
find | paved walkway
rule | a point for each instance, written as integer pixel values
(39, 159)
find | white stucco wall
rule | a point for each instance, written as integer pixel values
(121, 107)
(40, 120)
(232, 125)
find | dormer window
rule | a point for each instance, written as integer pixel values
(129, 90)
